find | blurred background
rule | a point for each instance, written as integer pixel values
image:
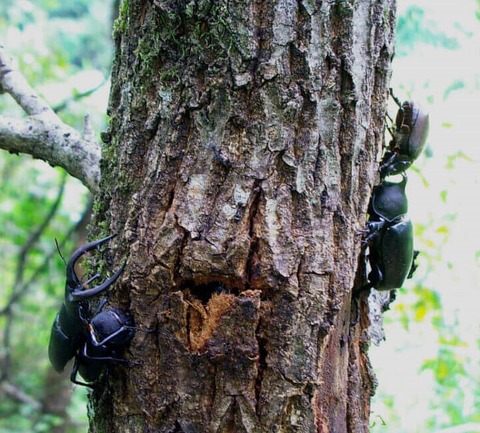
(428, 367)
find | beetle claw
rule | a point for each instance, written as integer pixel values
(362, 232)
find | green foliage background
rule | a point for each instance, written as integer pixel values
(428, 367)
(64, 49)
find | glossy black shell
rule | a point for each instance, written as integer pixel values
(108, 322)
(389, 201)
(391, 256)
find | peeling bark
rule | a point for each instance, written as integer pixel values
(243, 152)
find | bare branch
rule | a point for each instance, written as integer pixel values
(21, 290)
(53, 142)
(14, 84)
(18, 289)
(17, 394)
(42, 133)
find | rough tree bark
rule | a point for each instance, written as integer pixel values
(242, 151)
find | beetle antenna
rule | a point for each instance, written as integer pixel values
(59, 252)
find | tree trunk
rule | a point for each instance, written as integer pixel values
(237, 172)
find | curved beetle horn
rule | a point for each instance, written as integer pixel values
(74, 286)
(79, 295)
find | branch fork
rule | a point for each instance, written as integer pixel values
(42, 134)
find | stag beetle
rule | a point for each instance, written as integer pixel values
(92, 340)
(389, 236)
(408, 138)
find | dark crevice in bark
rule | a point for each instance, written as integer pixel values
(263, 12)
(261, 364)
(205, 291)
(185, 237)
(170, 198)
(299, 272)
(178, 428)
(347, 88)
(253, 251)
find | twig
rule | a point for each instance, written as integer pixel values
(14, 84)
(62, 105)
(18, 289)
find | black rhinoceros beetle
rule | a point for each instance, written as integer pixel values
(389, 236)
(408, 138)
(91, 340)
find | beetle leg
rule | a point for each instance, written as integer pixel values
(73, 376)
(101, 304)
(110, 337)
(397, 101)
(392, 133)
(390, 125)
(363, 233)
(373, 229)
(107, 358)
(414, 264)
(389, 117)
(375, 277)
